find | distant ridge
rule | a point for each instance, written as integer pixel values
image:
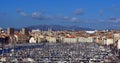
(57, 27)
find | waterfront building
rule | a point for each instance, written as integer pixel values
(32, 40)
(116, 37)
(20, 38)
(108, 41)
(40, 38)
(51, 39)
(85, 39)
(99, 40)
(69, 40)
(118, 44)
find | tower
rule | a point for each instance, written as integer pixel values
(25, 31)
(0, 29)
(10, 31)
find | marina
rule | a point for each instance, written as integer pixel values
(58, 53)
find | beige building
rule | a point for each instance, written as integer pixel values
(85, 39)
(69, 40)
(108, 41)
(99, 40)
(20, 38)
(116, 37)
(40, 38)
(51, 39)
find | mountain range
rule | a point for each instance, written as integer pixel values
(57, 27)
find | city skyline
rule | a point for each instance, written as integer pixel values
(95, 14)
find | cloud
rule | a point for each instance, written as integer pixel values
(34, 15)
(63, 18)
(40, 16)
(21, 12)
(74, 19)
(112, 19)
(60, 17)
(79, 11)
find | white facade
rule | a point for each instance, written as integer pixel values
(51, 39)
(85, 39)
(40, 38)
(90, 32)
(78, 39)
(16, 37)
(89, 39)
(37, 30)
(118, 44)
(32, 40)
(108, 41)
(81, 39)
(116, 37)
(69, 40)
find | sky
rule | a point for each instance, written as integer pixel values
(95, 14)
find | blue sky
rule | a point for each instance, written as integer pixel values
(97, 14)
